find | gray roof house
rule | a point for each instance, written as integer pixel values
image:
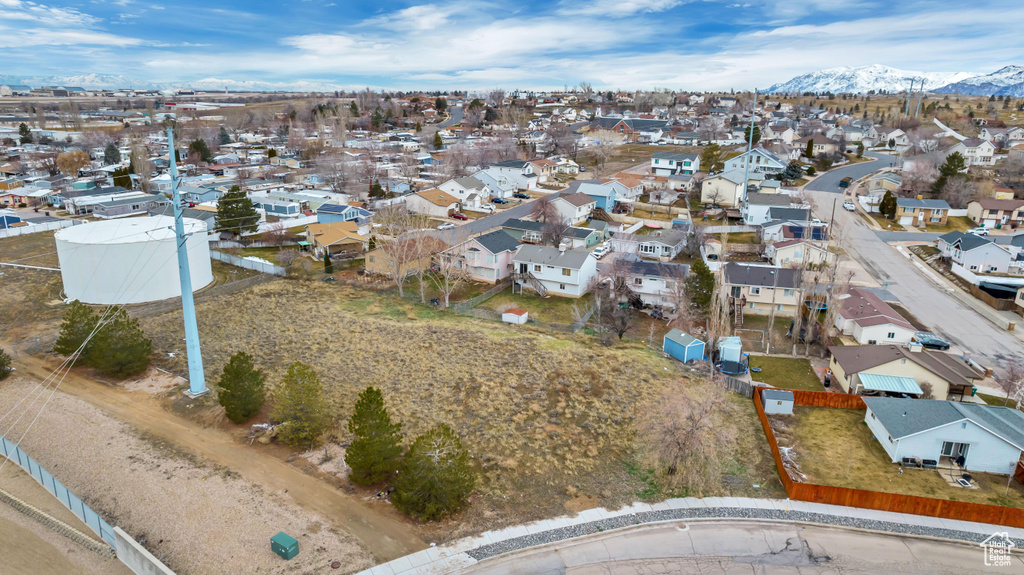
(553, 271)
(988, 438)
(124, 207)
(761, 276)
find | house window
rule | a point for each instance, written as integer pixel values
(536, 268)
(755, 291)
(566, 272)
(974, 267)
(561, 287)
(638, 281)
(647, 248)
(778, 307)
(873, 415)
(787, 293)
(891, 335)
(753, 305)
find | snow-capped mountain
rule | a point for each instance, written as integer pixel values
(860, 79)
(111, 81)
(1006, 81)
(89, 81)
(255, 86)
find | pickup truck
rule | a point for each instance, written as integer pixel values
(845, 182)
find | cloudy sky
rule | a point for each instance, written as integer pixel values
(478, 44)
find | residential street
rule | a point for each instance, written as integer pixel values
(829, 181)
(457, 114)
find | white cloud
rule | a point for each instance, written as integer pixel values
(616, 7)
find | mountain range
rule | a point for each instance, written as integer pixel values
(1008, 81)
(113, 81)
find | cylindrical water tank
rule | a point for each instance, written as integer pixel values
(130, 260)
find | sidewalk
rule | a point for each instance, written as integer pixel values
(461, 554)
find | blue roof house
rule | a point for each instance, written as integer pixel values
(683, 347)
(604, 195)
(331, 213)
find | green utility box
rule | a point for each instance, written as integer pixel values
(284, 545)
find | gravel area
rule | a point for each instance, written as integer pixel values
(563, 533)
(195, 518)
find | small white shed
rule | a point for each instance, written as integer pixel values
(777, 402)
(514, 315)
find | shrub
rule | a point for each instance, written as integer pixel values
(435, 479)
(5, 365)
(300, 406)
(241, 389)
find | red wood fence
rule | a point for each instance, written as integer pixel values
(864, 499)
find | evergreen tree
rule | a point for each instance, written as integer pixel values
(892, 143)
(860, 149)
(120, 349)
(241, 390)
(78, 323)
(435, 478)
(887, 207)
(374, 453)
(235, 213)
(225, 137)
(25, 133)
(376, 190)
(199, 147)
(793, 171)
(711, 158)
(438, 141)
(419, 127)
(111, 155)
(809, 150)
(300, 406)
(354, 110)
(441, 104)
(954, 166)
(328, 264)
(5, 365)
(756, 137)
(377, 119)
(700, 285)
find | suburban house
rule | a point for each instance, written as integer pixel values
(567, 166)
(385, 260)
(990, 213)
(605, 196)
(531, 232)
(975, 253)
(517, 172)
(670, 163)
(628, 188)
(9, 219)
(654, 283)
(335, 238)
(755, 208)
(129, 206)
(820, 144)
(884, 182)
(544, 169)
(501, 186)
(761, 161)
(470, 192)
(549, 270)
(330, 213)
(661, 244)
(988, 438)
(792, 224)
(575, 208)
(976, 152)
(790, 253)
(870, 320)
(755, 289)
(488, 258)
(433, 202)
(726, 188)
(918, 211)
(946, 375)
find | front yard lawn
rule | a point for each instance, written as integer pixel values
(997, 400)
(835, 447)
(888, 225)
(786, 373)
(953, 224)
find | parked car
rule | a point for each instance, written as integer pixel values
(929, 340)
(983, 231)
(849, 206)
(499, 201)
(446, 226)
(489, 208)
(600, 251)
(459, 216)
(583, 168)
(521, 196)
(845, 182)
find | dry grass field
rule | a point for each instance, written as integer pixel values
(30, 300)
(548, 421)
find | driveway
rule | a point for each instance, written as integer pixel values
(493, 221)
(931, 304)
(829, 181)
(456, 113)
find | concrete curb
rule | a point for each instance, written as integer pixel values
(57, 525)
(463, 553)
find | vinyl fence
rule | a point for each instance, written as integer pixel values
(36, 228)
(57, 489)
(864, 499)
(266, 268)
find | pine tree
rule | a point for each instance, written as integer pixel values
(120, 349)
(711, 158)
(5, 365)
(225, 137)
(700, 285)
(25, 133)
(111, 155)
(241, 390)
(954, 166)
(376, 190)
(419, 127)
(435, 479)
(860, 149)
(441, 104)
(328, 264)
(887, 207)
(756, 137)
(354, 110)
(809, 151)
(199, 147)
(78, 323)
(301, 407)
(374, 453)
(438, 142)
(271, 153)
(235, 213)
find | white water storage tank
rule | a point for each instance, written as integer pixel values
(131, 260)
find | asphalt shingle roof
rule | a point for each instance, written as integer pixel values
(497, 242)
(905, 417)
(761, 276)
(572, 259)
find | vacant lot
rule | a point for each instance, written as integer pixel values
(30, 300)
(786, 372)
(835, 447)
(551, 308)
(548, 421)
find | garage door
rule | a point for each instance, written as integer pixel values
(906, 220)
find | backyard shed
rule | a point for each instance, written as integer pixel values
(514, 315)
(683, 347)
(777, 401)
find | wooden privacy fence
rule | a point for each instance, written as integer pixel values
(864, 499)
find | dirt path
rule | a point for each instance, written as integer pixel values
(386, 537)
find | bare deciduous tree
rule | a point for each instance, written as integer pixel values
(607, 141)
(401, 242)
(958, 192)
(286, 257)
(675, 287)
(450, 272)
(1012, 382)
(684, 435)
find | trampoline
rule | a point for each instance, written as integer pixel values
(731, 367)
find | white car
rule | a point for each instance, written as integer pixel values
(489, 208)
(849, 206)
(600, 251)
(446, 226)
(978, 231)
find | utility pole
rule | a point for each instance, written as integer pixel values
(750, 145)
(906, 111)
(196, 378)
(771, 312)
(920, 94)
